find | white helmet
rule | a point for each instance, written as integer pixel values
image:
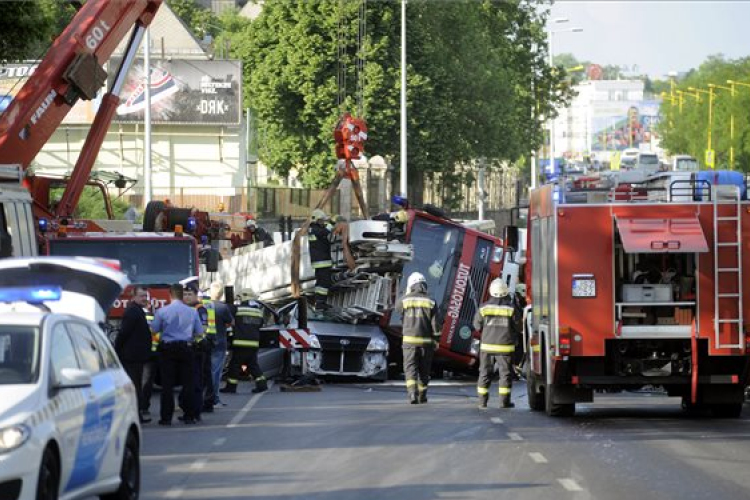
(415, 279)
(251, 224)
(247, 294)
(498, 288)
(521, 288)
(318, 214)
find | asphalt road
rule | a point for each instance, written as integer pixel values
(365, 442)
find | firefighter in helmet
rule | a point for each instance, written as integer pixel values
(420, 332)
(256, 234)
(495, 320)
(245, 343)
(319, 246)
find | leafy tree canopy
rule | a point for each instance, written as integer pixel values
(478, 82)
(28, 28)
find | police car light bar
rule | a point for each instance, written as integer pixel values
(32, 295)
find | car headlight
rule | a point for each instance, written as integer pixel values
(12, 437)
(314, 342)
(377, 344)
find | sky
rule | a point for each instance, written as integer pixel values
(656, 36)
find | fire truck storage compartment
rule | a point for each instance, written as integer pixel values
(655, 277)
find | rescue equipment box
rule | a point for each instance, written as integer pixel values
(647, 293)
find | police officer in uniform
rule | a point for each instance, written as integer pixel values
(420, 333)
(495, 319)
(245, 343)
(319, 246)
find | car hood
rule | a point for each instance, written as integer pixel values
(17, 399)
(89, 286)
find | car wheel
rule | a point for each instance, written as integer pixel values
(48, 483)
(130, 473)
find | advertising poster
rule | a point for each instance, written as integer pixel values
(184, 92)
(625, 124)
(14, 76)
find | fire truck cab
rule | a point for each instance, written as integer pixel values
(639, 285)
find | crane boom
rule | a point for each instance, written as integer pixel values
(72, 70)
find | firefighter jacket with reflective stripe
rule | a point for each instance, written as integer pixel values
(203, 315)
(496, 322)
(319, 242)
(419, 319)
(155, 336)
(210, 325)
(248, 322)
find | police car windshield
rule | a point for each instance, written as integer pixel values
(19, 355)
(145, 262)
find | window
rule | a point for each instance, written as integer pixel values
(19, 354)
(105, 348)
(87, 348)
(62, 353)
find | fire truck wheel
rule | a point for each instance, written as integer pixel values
(536, 399)
(731, 410)
(149, 217)
(556, 409)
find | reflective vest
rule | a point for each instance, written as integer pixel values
(210, 325)
(495, 320)
(155, 336)
(419, 322)
(248, 322)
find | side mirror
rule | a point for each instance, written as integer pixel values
(73, 378)
(510, 238)
(212, 260)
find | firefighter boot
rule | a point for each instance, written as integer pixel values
(506, 402)
(482, 405)
(261, 385)
(230, 388)
(423, 396)
(413, 398)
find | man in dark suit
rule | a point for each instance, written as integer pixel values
(133, 343)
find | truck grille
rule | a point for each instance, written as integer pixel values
(342, 354)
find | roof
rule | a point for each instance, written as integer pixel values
(8, 316)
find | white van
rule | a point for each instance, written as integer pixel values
(17, 229)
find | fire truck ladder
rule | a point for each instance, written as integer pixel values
(727, 302)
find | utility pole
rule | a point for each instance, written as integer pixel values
(403, 99)
(481, 193)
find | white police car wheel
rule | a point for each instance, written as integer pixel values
(130, 473)
(48, 483)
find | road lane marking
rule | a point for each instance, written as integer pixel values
(496, 420)
(220, 442)
(199, 464)
(514, 436)
(175, 492)
(538, 457)
(569, 484)
(244, 411)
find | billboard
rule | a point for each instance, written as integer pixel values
(14, 76)
(183, 92)
(618, 125)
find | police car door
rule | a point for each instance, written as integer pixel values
(68, 404)
(92, 445)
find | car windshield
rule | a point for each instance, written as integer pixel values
(648, 160)
(19, 355)
(687, 165)
(146, 262)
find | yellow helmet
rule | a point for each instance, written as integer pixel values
(402, 217)
(318, 215)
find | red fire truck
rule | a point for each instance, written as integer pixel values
(636, 290)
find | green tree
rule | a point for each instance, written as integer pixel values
(200, 20)
(478, 82)
(28, 28)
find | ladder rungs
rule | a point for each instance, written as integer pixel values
(728, 321)
(728, 295)
(727, 244)
(728, 269)
(727, 218)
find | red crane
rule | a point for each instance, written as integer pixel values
(72, 70)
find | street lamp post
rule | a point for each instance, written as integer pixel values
(550, 33)
(710, 158)
(731, 119)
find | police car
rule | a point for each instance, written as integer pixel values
(68, 411)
